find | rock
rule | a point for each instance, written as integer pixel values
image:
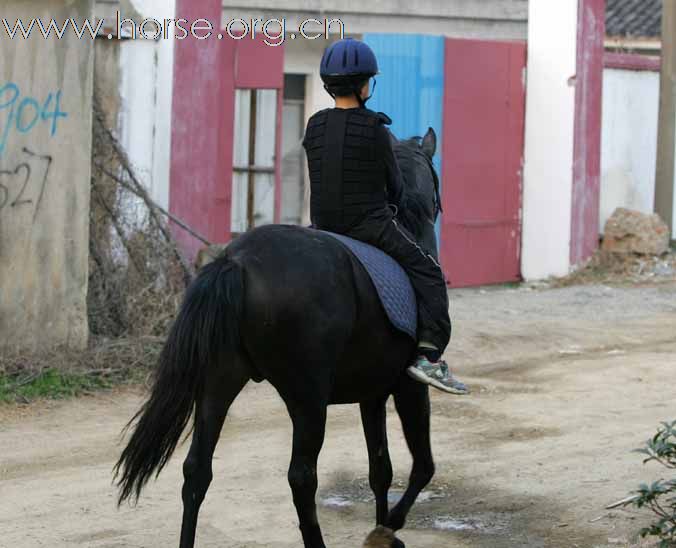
(664, 269)
(628, 231)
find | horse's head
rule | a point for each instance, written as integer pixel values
(421, 203)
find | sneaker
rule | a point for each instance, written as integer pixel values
(437, 375)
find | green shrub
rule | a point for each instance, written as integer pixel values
(659, 496)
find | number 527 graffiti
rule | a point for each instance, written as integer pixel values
(16, 184)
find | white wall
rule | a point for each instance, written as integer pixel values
(138, 75)
(146, 82)
(163, 108)
(550, 115)
(629, 140)
(303, 57)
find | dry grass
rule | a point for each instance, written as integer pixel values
(64, 372)
(137, 273)
(622, 269)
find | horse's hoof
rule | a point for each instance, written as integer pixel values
(382, 537)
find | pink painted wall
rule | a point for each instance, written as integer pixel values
(258, 65)
(201, 160)
(206, 74)
(584, 234)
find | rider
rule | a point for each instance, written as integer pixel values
(353, 175)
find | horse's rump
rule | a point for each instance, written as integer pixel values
(303, 281)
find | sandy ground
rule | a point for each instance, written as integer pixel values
(566, 383)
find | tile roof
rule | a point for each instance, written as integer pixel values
(635, 18)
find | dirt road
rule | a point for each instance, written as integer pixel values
(566, 383)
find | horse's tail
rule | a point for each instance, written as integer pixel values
(207, 326)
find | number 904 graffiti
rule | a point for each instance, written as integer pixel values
(22, 114)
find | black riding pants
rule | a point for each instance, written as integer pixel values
(382, 230)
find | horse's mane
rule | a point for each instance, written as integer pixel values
(415, 207)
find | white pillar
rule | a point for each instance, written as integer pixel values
(146, 90)
(665, 197)
(165, 82)
(317, 98)
(550, 124)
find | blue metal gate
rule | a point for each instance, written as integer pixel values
(410, 88)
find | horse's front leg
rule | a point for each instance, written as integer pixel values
(309, 424)
(412, 401)
(373, 416)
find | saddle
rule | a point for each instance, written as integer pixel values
(391, 283)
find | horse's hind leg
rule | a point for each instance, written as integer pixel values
(309, 424)
(222, 385)
(373, 416)
(412, 402)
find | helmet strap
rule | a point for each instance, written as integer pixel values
(372, 90)
(326, 88)
(357, 93)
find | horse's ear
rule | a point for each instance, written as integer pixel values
(429, 143)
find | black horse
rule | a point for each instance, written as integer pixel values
(292, 306)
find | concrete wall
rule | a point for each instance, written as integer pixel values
(629, 140)
(44, 180)
(550, 117)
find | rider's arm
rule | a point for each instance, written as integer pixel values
(395, 181)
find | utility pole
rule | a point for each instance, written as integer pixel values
(666, 141)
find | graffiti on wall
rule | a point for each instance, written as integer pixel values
(23, 184)
(20, 114)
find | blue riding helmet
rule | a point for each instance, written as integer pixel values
(348, 57)
(346, 65)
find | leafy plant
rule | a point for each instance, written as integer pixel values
(659, 496)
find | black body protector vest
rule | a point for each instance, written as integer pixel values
(347, 174)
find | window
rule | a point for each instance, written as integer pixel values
(253, 181)
(293, 154)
